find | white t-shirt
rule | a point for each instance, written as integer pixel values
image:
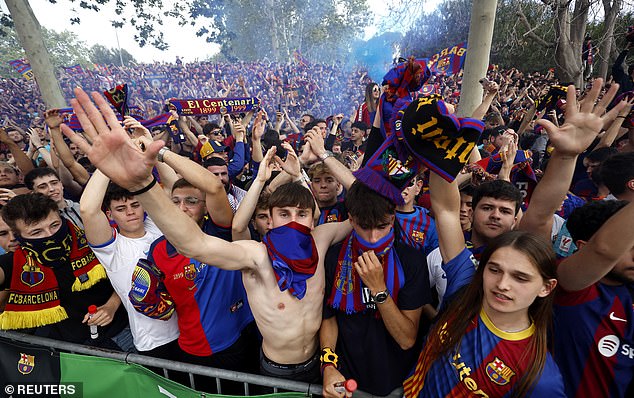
(119, 256)
(437, 276)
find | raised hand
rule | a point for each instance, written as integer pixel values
(34, 137)
(53, 118)
(316, 141)
(370, 271)
(583, 123)
(291, 164)
(491, 88)
(137, 129)
(258, 127)
(112, 151)
(266, 165)
(4, 137)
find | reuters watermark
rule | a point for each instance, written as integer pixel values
(43, 390)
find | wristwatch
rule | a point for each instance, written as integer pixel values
(381, 297)
(161, 153)
(326, 155)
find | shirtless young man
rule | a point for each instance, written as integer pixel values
(289, 325)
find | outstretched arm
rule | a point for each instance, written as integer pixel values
(96, 224)
(240, 226)
(216, 197)
(491, 90)
(22, 161)
(445, 201)
(130, 166)
(338, 169)
(53, 120)
(607, 139)
(598, 256)
(572, 138)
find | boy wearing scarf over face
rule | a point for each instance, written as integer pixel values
(55, 277)
(285, 290)
(375, 290)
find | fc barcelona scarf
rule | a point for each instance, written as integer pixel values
(424, 133)
(293, 255)
(118, 97)
(34, 292)
(434, 136)
(405, 78)
(215, 106)
(389, 170)
(549, 100)
(346, 293)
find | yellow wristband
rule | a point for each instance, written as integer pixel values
(329, 356)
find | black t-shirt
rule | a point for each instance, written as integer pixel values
(367, 352)
(76, 305)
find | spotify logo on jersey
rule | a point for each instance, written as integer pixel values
(609, 345)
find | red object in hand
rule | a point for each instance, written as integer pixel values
(94, 333)
(349, 385)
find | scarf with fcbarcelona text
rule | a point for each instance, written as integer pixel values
(293, 255)
(346, 293)
(34, 291)
(214, 106)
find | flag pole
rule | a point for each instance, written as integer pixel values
(118, 45)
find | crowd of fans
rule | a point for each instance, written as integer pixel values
(259, 250)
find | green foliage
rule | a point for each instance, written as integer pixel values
(449, 23)
(512, 47)
(321, 29)
(63, 48)
(109, 56)
(10, 49)
(446, 26)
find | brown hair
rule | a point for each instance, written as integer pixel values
(460, 312)
(292, 194)
(370, 102)
(368, 208)
(30, 208)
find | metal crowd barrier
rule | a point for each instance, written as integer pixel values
(219, 374)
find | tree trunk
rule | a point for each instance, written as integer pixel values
(478, 52)
(30, 34)
(611, 11)
(570, 31)
(275, 43)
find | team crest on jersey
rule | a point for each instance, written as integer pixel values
(418, 236)
(498, 372)
(190, 272)
(26, 363)
(31, 274)
(332, 217)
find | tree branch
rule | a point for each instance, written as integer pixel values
(530, 32)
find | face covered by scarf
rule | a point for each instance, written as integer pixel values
(293, 255)
(51, 251)
(34, 296)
